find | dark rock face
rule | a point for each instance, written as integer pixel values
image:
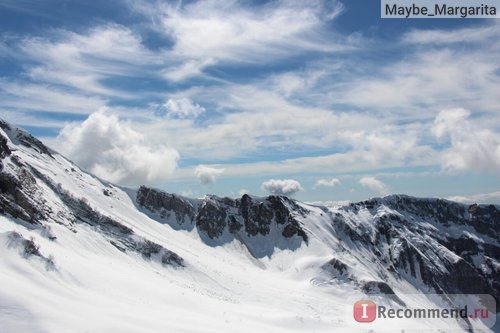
(20, 197)
(416, 248)
(30, 141)
(165, 204)
(337, 268)
(234, 225)
(377, 287)
(24, 138)
(149, 249)
(4, 148)
(19, 193)
(29, 248)
(257, 216)
(211, 219)
(484, 219)
(213, 216)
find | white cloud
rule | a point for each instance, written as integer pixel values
(204, 28)
(261, 120)
(282, 186)
(68, 72)
(44, 98)
(208, 32)
(331, 182)
(486, 198)
(207, 175)
(427, 80)
(321, 106)
(353, 160)
(330, 203)
(470, 147)
(186, 69)
(183, 108)
(243, 191)
(487, 33)
(374, 184)
(83, 61)
(113, 150)
(299, 82)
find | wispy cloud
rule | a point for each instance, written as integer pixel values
(488, 33)
(374, 184)
(266, 89)
(492, 197)
(46, 98)
(470, 147)
(204, 34)
(83, 61)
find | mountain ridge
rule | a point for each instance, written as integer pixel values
(390, 245)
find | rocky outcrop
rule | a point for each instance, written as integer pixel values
(414, 240)
(257, 215)
(336, 268)
(4, 148)
(215, 216)
(151, 250)
(20, 196)
(24, 138)
(485, 219)
(211, 219)
(166, 205)
(28, 248)
(119, 235)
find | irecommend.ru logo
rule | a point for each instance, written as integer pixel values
(365, 311)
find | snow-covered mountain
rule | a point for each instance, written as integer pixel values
(78, 254)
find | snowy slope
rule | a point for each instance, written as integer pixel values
(78, 254)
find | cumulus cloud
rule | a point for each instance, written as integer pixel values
(470, 147)
(282, 186)
(328, 182)
(113, 150)
(183, 108)
(375, 185)
(207, 175)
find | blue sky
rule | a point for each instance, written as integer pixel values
(322, 100)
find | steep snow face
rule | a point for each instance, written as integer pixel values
(81, 254)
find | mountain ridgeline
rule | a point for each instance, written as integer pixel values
(415, 239)
(375, 246)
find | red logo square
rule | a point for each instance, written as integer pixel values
(365, 311)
